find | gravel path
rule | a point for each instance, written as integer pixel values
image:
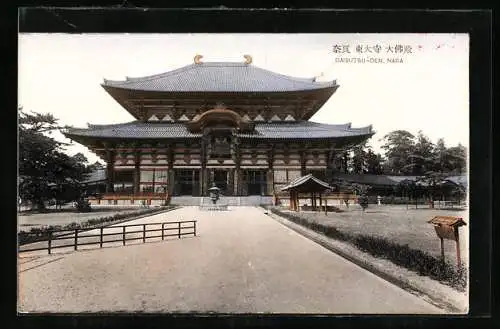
(242, 261)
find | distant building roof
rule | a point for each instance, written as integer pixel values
(292, 130)
(95, 176)
(390, 180)
(220, 77)
(381, 180)
(458, 180)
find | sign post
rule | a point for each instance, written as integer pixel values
(447, 228)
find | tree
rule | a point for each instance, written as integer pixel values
(359, 189)
(422, 156)
(399, 145)
(341, 161)
(451, 160)
(80, 158)
(364, 161)
(457, 159)
(374, 163)
(95, 166)
(358, 160)
(45, 171)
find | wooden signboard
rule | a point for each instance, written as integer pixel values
(447, 232)
(447, 228)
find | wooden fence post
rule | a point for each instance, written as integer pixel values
(179, 229)
(143, 233)
(163, 231)
(442, 250)
(50, 241)
(123, 235)
(101, 237)
(76, 239)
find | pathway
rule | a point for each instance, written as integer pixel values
(242, 261)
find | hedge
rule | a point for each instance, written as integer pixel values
(42, 234)
(413, 259)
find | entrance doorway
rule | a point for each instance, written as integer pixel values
(187, 182)
(220, 180)
(256, 182)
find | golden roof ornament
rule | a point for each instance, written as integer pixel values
(197, 59)
(248, 59)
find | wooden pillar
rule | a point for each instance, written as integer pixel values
(137, 172)
(237, 177)
(270, 181)
(110, 160)
(230, 181)
(326, 206)
(204, 181)
(320, 202)
(442, 250)
(270, 170)
(170, 170)
(302, 163)
(458, 246)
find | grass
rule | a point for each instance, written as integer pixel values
(40, 234)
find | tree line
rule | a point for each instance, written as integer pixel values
(405, 154)
(46, 172)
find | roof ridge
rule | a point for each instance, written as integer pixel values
(299, 80)
(109, 124)
(167, 73)
(151, 77)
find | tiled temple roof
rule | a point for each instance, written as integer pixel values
(220, 77)
(292, 130)
(307, 183)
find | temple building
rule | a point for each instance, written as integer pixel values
(242, 127)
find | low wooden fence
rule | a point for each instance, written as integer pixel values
(180, 229)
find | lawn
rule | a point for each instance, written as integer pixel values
(396, 224)
(28, 220)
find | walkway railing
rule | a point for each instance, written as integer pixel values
(180, 228)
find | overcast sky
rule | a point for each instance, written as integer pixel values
(429, 91)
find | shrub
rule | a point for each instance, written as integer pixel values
(83, 205)
(72, 226)
(363, 201)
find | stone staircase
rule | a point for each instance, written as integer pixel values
(234, 201)
(186, 200)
